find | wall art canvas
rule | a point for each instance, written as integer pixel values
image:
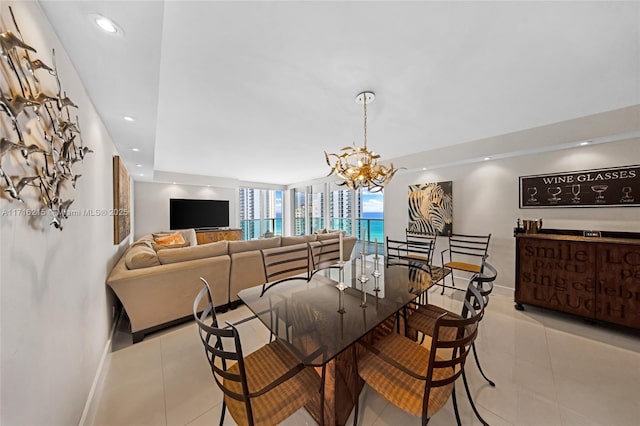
(431, 208)
(121, 201)
(611, 187)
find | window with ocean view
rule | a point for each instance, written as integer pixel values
(358, 213)
(260, 213)
(370, 220)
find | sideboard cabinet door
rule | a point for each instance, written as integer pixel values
(557, 275)
(618, 291)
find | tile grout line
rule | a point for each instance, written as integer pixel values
(164, 390)
(552, 370)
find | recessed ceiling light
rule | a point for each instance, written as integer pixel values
(584, 143)
(138, 165)
(487, 158)
(141, 174)
(106, 24)
(424, 168)
(173, 183)
(128, 118)
(135, 149)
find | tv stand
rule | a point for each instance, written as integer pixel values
(204, 236)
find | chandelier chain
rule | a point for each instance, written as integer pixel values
(365, 121)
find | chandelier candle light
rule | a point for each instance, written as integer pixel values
(358, 167)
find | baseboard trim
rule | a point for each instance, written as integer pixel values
(98, 375)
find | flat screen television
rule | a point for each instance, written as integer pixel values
(199, 214)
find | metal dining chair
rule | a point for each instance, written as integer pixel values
(423, 319)
(262, 388)
(417, 379)
(466, 253)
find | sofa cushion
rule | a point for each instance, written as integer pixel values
(330, 236)
(289, 241)
(263, 243)
(141, 255)
(201, 251)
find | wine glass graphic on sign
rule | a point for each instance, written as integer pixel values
(575, 190)
(627, 195)
(532, 191)
(554, 191)
(599, 189)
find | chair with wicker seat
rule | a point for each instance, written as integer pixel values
(423, 319)
(262, 388)
(284, 264)
(417, 379)
(467, 253)
(416, 249)
(324, 255)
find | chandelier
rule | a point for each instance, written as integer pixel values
(357, 166)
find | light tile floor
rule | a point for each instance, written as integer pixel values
(550, 369)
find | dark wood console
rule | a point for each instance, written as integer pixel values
(213, 235)
(594, 277)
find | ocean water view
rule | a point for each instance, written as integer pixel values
(373, 224)
(368, 227)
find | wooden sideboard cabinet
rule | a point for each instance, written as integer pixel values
(213, 235)
(593, 277)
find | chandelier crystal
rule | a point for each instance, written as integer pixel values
(357, 166)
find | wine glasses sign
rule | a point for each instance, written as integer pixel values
(613, 186)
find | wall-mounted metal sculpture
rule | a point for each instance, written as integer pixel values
(40, 142)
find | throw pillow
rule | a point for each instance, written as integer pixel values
(171, 239)
(175, 240)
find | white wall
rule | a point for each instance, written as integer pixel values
(152, 203)
(485, 198)
(55, 307)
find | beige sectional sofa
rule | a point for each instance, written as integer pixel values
(157, 285)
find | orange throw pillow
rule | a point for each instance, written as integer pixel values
(171, 239)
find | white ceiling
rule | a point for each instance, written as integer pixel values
(256, 91)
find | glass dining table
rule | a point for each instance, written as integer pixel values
(322, 318)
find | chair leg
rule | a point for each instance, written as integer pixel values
(224, 409)
(444, 282)
(324, 369)
(475, 355)
(355, 391)
(473, 406)
(455, 405)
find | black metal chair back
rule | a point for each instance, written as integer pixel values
(222, 346)
(324, 254)
(417, 249)
(284, 264)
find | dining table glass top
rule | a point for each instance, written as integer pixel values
(321, 317)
